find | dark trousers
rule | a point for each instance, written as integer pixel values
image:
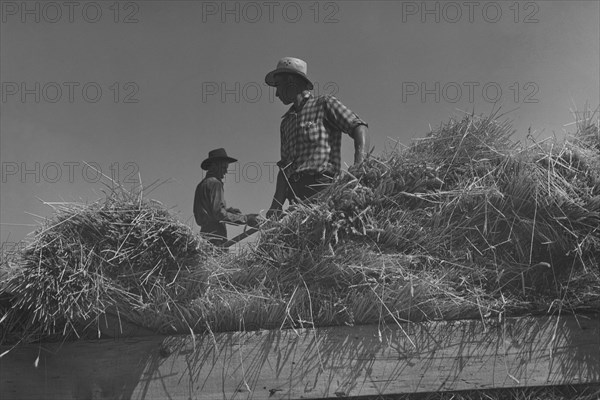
(306, 184)
(215, 233)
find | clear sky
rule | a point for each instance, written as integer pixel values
(147, 88)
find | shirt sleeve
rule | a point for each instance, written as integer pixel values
(340, 116)
(284, 153)
(218, 207)
(198, 205)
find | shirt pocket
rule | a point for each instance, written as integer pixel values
(310, 131)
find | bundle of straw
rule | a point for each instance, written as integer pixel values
(485, 227)
(119, 255)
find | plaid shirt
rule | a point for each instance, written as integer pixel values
(311, 136)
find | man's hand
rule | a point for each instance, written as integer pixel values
(360, 134)
(274, 212)
(275, 209)
(234, 210)
(254, 220)
(355, 169)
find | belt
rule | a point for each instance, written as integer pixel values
(298, 176)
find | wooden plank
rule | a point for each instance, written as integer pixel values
(325, 362)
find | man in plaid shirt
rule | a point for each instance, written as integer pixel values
(311, 135)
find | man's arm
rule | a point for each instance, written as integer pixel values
(197, 205)
(218, 208)
(360, 134)
(345, 120)
(280, 194)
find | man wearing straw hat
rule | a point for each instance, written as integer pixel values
(210, 210)
(311, 135)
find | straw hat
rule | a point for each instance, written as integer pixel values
(216, 155)
(289, 65)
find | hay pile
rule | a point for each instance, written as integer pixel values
(464, 223)
(123, 255)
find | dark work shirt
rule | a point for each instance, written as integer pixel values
(210, 210)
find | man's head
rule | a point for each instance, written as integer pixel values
(218, 168)
(289, 86)
(217, 162)
(289, 78)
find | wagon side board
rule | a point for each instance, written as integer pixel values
(312, 363)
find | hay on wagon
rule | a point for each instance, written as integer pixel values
(463, 223)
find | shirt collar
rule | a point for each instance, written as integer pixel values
(293, 109)
(210, 174)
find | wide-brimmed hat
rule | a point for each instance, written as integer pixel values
(216, 155)
(289, 65)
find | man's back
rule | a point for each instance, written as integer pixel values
(208, 201)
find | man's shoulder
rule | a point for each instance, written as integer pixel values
(210, 181)
(322, 97)
(325, 99)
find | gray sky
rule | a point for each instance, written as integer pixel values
(147, 88)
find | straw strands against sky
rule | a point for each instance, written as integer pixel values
(464, 223)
